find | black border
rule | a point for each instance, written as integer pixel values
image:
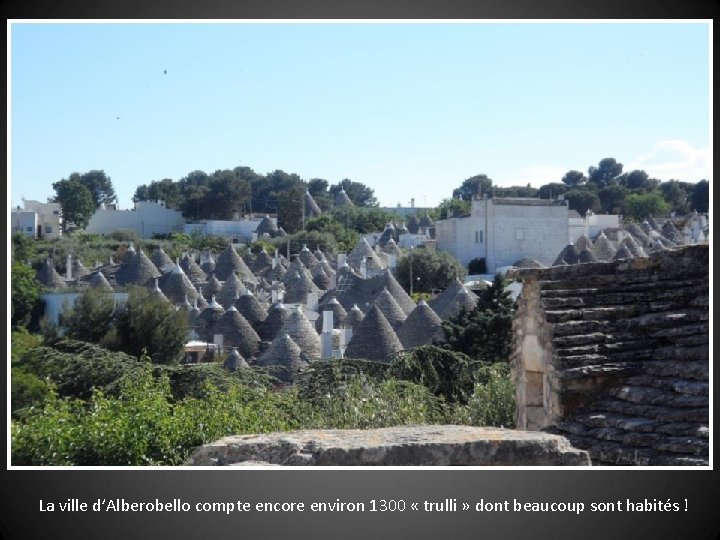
(20, 517)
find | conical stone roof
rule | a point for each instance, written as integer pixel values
(568, 256)
(212, 287)
(586, 256)
(639, 234)
(321, 279)
(276, 274)
(230, 291)
(363, 251)
(262, 263)
(603, 248)
(583, 242)
(342, 199)
(139, 270)
(176, 286)
(413, 225)
(302, 333)
(398, 293)
(298, 287)
(439, 302)
(633, 246)
(391, 248)
(155, 289)
(161, 260)
(426, 221)
(311, 208)
(354, 317)
(251, 308)
(229, 262)
(273, 323)
(374, 339)
(234, 361)
(464, 299)
(266, 226)
(98, 280)
(237, 332)
(48, 276)
(194, 273)
(79, 270)
(421, 327)
(307, 258)
(339, 314)
(623, 252)
(286, 355)
(208, 318)
(671, 232)
(201, 302)
(207, 263)
(390, 308)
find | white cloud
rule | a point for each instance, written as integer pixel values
(674, 159)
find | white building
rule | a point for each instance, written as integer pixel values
(236, 231)
(148, 218)
(37, 220)
(591, 224)
(504, 230)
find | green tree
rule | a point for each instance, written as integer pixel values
(147, 324)
(76, 201)
(637, 180)
(700, 196)
(677, 195)
(345, 238)
(161, 190)
(431, 270)
(582, 200)
(24, 294)
(640, 206)
(451, 207)
(99, 184)
(605, 173)
(90, 318)
(574, 179)
(23, 248)
(612, 199)
(552, 190)
(318, 189)
(484, 332)
(479, 184)
(291, 209)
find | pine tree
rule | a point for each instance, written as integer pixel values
(484, 332)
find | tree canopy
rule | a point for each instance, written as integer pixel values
(76, 201)
(479, 184)
(431, 270)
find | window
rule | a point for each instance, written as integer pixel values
(56, 212)
(48, 229)
(29, 229)
(478, 237)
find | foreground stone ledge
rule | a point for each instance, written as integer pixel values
(395, 446)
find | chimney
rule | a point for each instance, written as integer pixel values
(326, 336)
(412, 202)
(68, 267)
(363, 268)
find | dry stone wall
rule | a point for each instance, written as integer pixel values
(616, 357)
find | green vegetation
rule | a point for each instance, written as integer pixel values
(431, 270)
(485, 331)
(77, 404)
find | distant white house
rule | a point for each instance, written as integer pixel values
(591, 224)
(505, 230)
(148, 218)
(37, 220)
(236, 231)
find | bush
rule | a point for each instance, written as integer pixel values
(493, 400)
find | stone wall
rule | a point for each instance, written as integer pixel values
(616, 357)
(395, 446)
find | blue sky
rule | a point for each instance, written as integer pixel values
(410, 110)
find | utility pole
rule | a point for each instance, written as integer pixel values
(411, 274)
